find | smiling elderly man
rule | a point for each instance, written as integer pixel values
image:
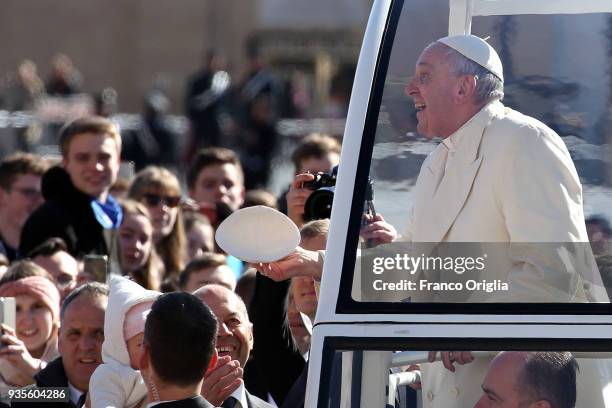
(498, 176)
(224, 385)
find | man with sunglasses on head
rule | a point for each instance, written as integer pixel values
(78, 206)
(20, 195)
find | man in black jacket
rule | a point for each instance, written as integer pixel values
(178, 348)
(78, 207)
(278, 357)
(80, 346)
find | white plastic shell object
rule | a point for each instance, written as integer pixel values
(258, 234)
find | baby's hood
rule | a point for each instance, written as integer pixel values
(124, 294)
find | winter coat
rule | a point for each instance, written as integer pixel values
(67, 214)
(53, 375)
(115, 383)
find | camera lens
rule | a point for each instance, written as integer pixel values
(318, 206)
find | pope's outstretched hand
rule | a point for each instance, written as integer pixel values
(300, 262)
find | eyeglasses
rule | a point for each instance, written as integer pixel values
(153, 200)
(30, 193)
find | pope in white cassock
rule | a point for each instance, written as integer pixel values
(498, 176)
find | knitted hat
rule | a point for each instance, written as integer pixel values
(135, 319)
(38, 287)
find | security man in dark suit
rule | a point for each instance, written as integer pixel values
(178, 348)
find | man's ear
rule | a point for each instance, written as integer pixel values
(213, 362)
(242, 195)
(144, 358)
(118, 160)
(59, 338)
(466, 87)
(3, 196)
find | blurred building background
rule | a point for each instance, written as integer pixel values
(134, 45)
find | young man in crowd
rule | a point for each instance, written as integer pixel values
(20, 195)
(216, 177)
(80, 346)
(207, 269)
(78, 207)
(54, 257)
(178, 348)
(216, 183)
(234, 345)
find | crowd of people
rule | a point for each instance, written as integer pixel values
(24, 88)
(183, 324)
(240, 112)
(158, 238)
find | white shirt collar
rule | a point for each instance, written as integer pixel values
(466, 139)
(240, 394)
(151, 404)
(449, 143)
(75, 393)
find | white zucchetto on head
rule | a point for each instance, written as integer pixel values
(477, 50)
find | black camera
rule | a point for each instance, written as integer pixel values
(319, 204)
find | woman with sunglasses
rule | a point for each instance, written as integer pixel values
(159, 190)
(138, 258)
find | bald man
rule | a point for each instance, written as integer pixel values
(234, 345)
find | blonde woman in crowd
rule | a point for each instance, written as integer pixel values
(33, 342)
(137, 248)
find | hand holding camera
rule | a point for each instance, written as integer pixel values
(297, 196)
(310, 196)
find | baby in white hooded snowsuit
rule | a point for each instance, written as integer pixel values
(117, 382)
